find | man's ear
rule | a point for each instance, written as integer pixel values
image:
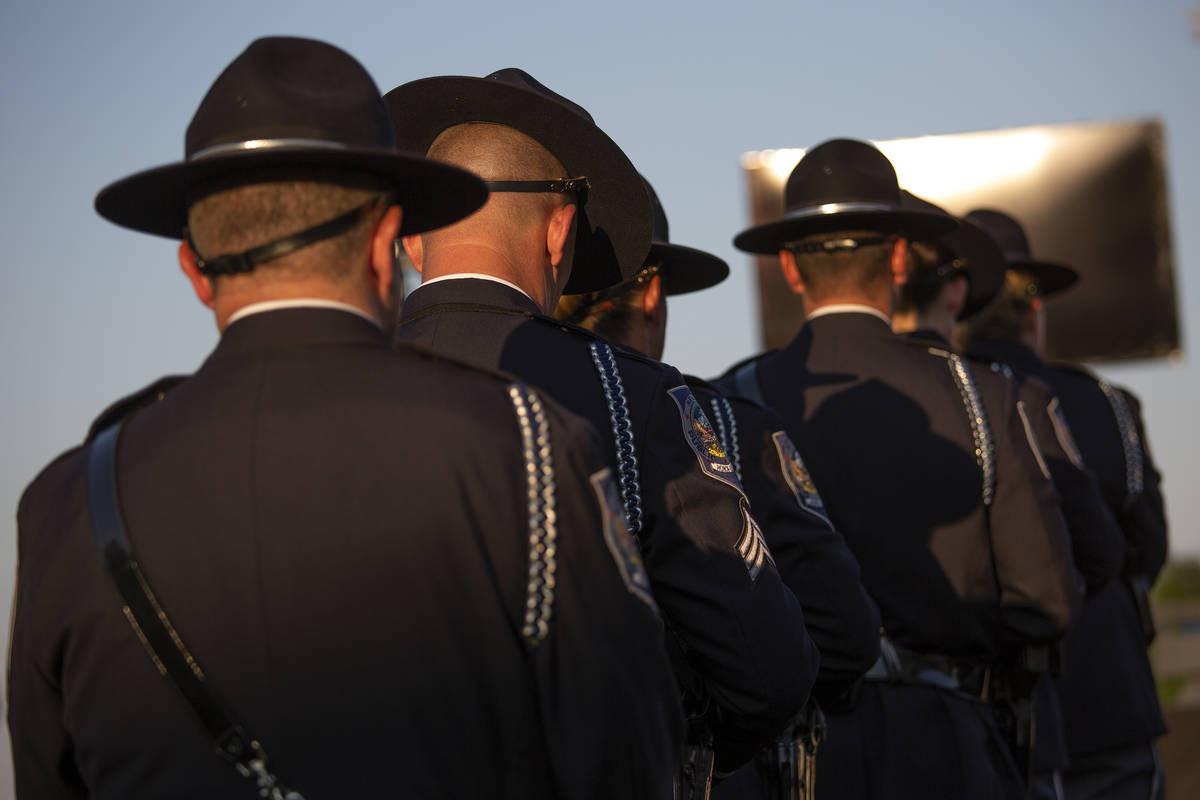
(787, 262)
(201, 284)
(382, 262)
(416, 251)
(558, 231)
(959, 289)
(652, 297)
(899, 261)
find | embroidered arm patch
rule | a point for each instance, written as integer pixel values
(797, 477)
(752, 547)
(699, 434)
(1033, 445)
(620, 544)
(1062, 432)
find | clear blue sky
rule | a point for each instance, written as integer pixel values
(93, 91)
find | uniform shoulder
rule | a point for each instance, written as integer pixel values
(147, 395)
(744, 362)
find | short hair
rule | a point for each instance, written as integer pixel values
(233, 220)
(837, 271)
(1003, 319)
(500, 153)
(609, 313)
(923, 284)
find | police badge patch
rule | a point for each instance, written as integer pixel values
(620, 544)
(752, 547)
(698, 432)
(797, 477)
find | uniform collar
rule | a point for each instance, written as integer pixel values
(483, 290)
(294, 326)
(849, 308)
(297, 302)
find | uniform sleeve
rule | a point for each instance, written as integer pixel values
(1039, 593)
(43, 755)
(602, 666)
(1145, 521)
(1097, 542)
(739, 627)
(812, 557)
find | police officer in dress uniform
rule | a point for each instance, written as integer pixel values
(1110, 705)
(569, 211)
(955, 528)
(367, 573)
(812, 557)
(950, 280)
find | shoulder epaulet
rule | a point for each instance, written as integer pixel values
(135, 402)
(1077, 369)
(592, 336)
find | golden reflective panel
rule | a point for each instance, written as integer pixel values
(1089, 195)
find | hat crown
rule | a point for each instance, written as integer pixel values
(285, 88)
(842, 171)
(521, 79)
(1005, 231)
(660, 229)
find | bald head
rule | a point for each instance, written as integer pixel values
(518, 236)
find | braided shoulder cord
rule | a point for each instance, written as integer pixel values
(985, 453)
(628, 478)
(1131, 443)
(727, 430)
(543, 530)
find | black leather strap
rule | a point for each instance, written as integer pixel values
(247, 260)
(578, 186)
(155, 631)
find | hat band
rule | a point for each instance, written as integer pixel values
(826, 209)
(265, 144)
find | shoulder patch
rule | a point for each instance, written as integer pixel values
(699, 434)
(797, 477)
(752, 546)
(1062, 432)
(620, 544)
(1029, 437)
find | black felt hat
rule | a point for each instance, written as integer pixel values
(971, 251)
(290, 108)
(613, 224)
(841, 185)
(1051, 278)
(684, 269)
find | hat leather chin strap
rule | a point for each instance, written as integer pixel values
(834, 244)
(247, 260)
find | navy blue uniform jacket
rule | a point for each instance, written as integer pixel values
(740, 629)
(340, 533)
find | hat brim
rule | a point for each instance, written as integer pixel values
(769, 238)
(1051, 278)
(613, 226)
(156, 200)
(686, 269)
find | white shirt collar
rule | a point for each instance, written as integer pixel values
(479, 276)
(849, 308)
(298, 302)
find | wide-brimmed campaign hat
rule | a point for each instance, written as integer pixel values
(971, 252)
(684, 269)
(290, 108)
(841, 185)
(613, 221)
(1051, 278)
